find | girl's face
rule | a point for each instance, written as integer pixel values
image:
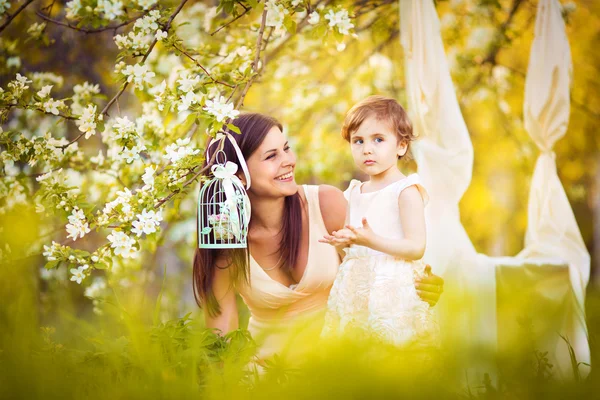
(271, 167)
(375, 147)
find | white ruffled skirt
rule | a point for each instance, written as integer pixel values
(376, 295)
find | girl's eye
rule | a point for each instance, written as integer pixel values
(286, 148)
(378, 140)
(358, 141)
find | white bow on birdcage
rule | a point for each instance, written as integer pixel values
(223, 205)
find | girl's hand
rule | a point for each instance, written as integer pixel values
(430, 287)
(339, 238)
(363, 236)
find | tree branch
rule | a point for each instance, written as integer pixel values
(12, 16)
(167, 27)
(185, 53)
(261, 32)
(246, 11)
(96, 30)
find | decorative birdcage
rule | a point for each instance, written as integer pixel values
(223, 205)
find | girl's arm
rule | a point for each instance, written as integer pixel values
(412, 217)
(222, 287)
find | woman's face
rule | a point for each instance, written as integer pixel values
(271, 167)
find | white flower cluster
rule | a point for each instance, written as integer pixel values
(339, 20)
(244, 53)
(18, 86)
(138, 74)
(144, 31)
(220, 109)
(146, 222)
(87, 121)
(148, 176)
(73, 7)
(82, 95)
(53, 252)
(77, 225)
(276, 13)
(35, 30)
(146, 4)
(160, 95)
(4, 5)
(180, 149)
(44, 78)
(110, 9)
(122, 244)
(79, 273)
(121, 205)
(97, 291)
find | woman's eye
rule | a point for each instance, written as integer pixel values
(271, 156)
(286, 148)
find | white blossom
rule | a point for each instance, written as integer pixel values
(78, 274)
(178, 150)
(146, 4)
(51, 106)
(87, 121)
(148, 176)
(123, 244)
(45, 92)
(77, 225)
(147, 222)
(314, 18)
(339, 20)
(110, 9)
(160, 35)
(138, 74)
(187, 83)
(187, 100)
(73, 8)
(13, 62)
(220, 109)
(4, 5)
(275, 15)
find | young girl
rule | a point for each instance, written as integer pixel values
(384, 238)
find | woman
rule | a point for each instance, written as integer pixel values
(286, 274)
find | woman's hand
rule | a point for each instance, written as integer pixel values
(430, 287)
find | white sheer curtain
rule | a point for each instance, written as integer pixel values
(552, 229)
(444, 155)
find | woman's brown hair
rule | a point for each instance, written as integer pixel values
(254, 128)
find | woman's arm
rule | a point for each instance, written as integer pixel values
(333, 206)
(223, 290)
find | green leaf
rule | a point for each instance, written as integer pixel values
(206, 230)
(252, 3)
(52, 264)
(234, 128)
(289, 23)
(159, 299)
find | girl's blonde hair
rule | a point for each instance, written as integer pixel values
(383, 108)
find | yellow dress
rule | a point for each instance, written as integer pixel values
(278, 312)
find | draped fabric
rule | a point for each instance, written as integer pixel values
(444, 155)
(552, 229)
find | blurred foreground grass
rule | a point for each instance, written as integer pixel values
(127, 353)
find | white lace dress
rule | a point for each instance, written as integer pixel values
(374, 292)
